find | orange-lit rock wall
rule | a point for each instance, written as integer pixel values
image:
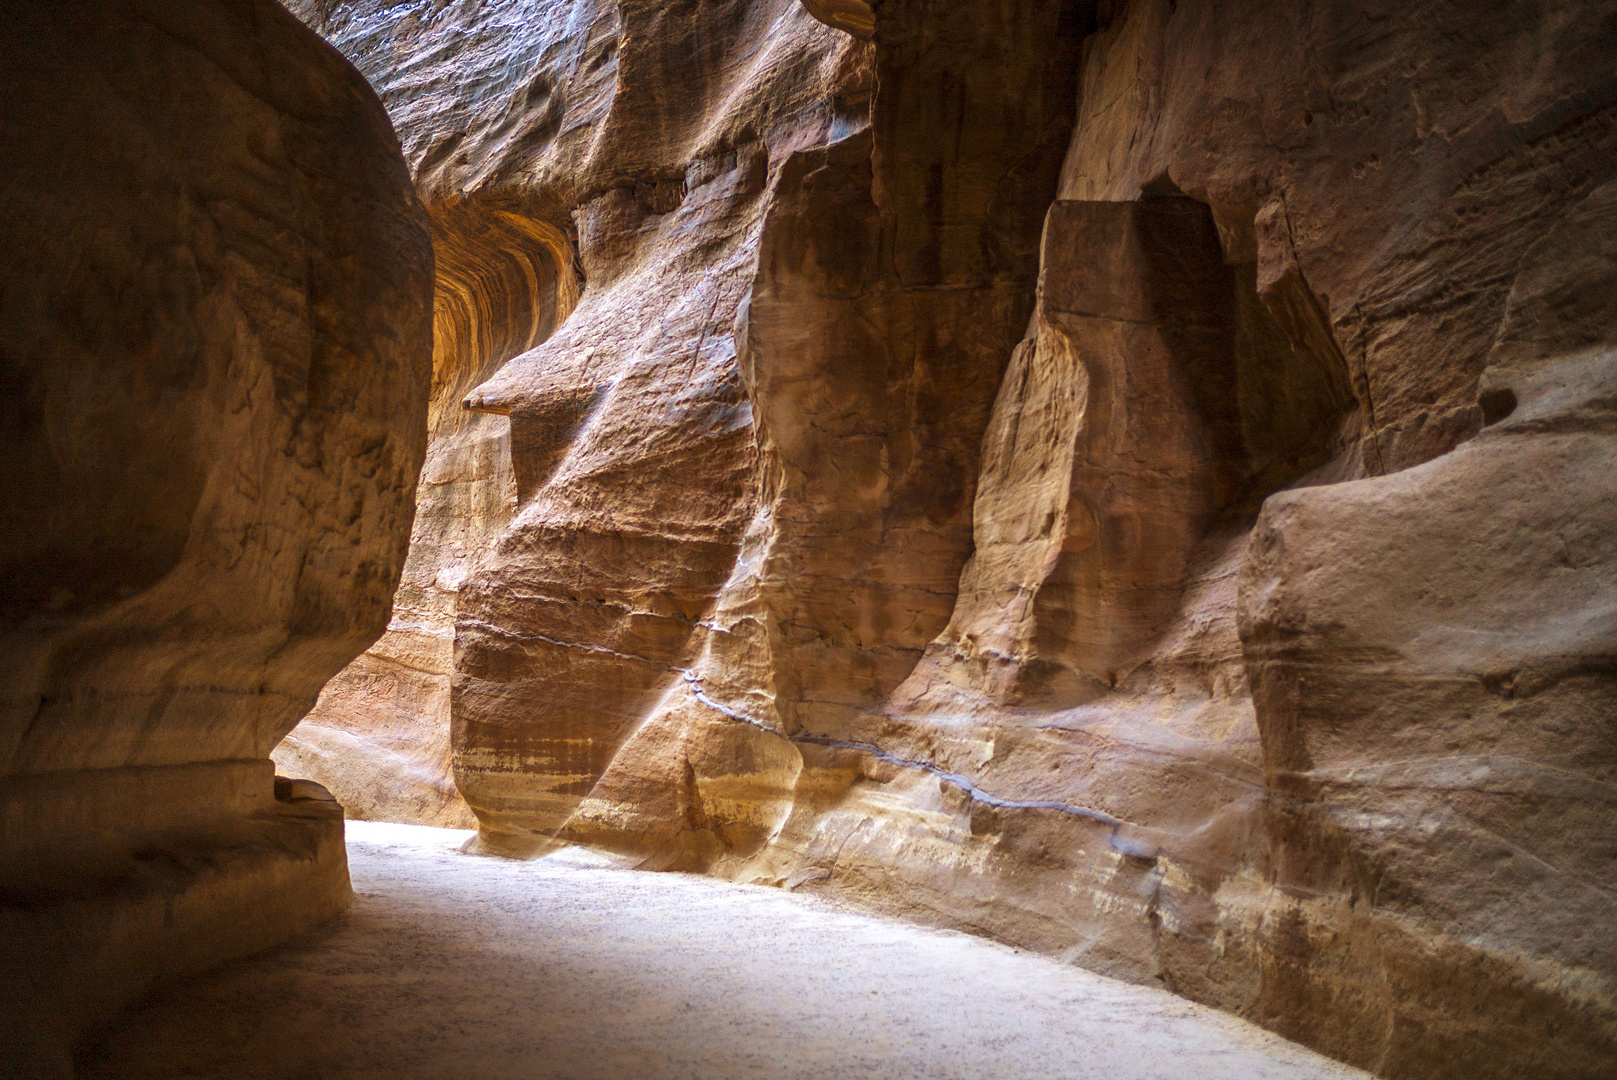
(1131, 479)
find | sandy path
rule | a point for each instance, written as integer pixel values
(455, 966)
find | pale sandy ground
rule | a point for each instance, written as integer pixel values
(459, 966)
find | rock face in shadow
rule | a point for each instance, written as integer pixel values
(379, 735)
(215, 348)
(1431, 658)
(1128, 479)
(506, 277)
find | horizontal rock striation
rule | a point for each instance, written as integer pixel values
(379, 735)
(1128, 479)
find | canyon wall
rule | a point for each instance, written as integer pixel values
(379, 734)
(1131, 479)
(214, 343)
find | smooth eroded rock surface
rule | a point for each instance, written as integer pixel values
(1127, 479)
(214, 344)
(379, 735)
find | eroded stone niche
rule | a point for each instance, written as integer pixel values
(214, 347)
(1133, 480)
(1154, 405)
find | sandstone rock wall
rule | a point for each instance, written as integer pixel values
(379, 735)
(496, 107)
(214, 347)
(1128, 479)
(663, 190)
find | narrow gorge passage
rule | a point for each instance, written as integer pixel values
(454, 965)
(972, 501)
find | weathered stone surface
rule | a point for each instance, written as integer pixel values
(214, 347)
(642, 379)
(1184, 557)
(379, 734)
(1432, 658)
(868, 442)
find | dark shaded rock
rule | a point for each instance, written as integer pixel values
(214, 345)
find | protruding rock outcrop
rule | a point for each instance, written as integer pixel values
(380, 731)
(1432, 662)
(1212, 595)
(214, 344)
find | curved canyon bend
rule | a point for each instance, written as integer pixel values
(897, 537)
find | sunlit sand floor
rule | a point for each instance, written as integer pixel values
(463, 966)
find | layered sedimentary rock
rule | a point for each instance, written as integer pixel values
(506, 277)
(1131, 479)
(214, 346)
(379, 735)
(670, 201)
